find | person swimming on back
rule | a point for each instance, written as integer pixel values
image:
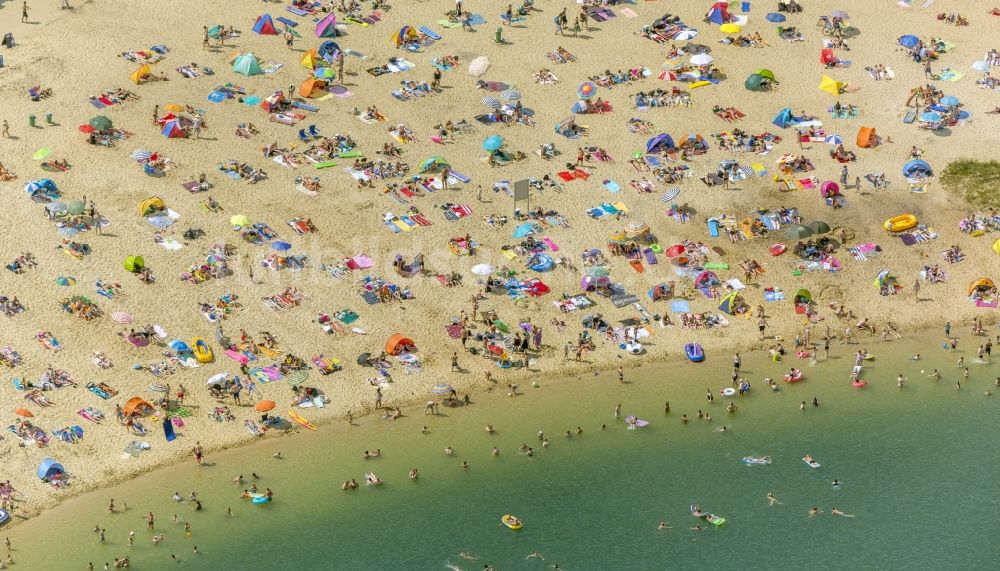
(835, 511)
(772, 499)
(815, 511)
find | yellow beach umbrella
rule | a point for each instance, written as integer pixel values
(41, 154)
(240, 220)
(730, 28)
(174, 107)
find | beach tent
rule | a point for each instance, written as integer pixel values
(328, 50)
(327, 27)
(719, 13)
(404, 35)
(140, 74)
(172, 130)
(826, 57)
(755, 82)
(831, 85)
(433, 164)
(49, 469)
(802, 296)
(151, 205)
(313, 87)
(693, 141)
(766, 74)
(265, 26)
(706, 279)
(885, 279)
(399, 343)
(729, 303)
(659, 291)
(981, 284)
(785, 118)
(866, 137)
(917, 168)
(661, 142)
(311, 59)
(829, 189)
(134, 264)
(246, 64)
(136, 406)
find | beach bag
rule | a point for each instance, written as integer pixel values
(8, 40)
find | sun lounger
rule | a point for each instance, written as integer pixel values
(287, 22)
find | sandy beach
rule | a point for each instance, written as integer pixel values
(77, 54)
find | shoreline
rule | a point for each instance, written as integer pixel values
(330, 417)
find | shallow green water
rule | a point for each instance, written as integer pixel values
(917, 468)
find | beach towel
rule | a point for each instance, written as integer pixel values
(680, 306)
(429, 33)
(612, 186)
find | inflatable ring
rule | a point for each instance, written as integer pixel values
(728, 391)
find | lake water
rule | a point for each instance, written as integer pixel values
(917, 468)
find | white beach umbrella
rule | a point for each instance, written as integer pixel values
(141, 155)
(482, 269)
(122, 317)
(688, 34)
(479, 66)
(701, 59)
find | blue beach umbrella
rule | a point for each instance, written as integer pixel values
(775, 17)
(930, 117)
(493, 143)
(949, 100)
(834, 140)
(179, 346)
(281, 246)
(908, 41)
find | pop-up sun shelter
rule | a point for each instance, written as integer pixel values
(785, 118)
(246, 64)
(151, 205)
(265, 26)
(141, 74)
(917, 168)
(399, 343)
(327, 27)
(659, 143)
(756, 82)
(982, 284)
(867, 137)
(136, 406)
(134, 264)
(313, 88)
(719, 13)
(49, 469)
(831, 86)
(405, 35)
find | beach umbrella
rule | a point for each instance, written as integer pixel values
(23, 412)
(323, 73)
(675, 250)
(834, 140)
(597, 272)
(41, 154)
(667, 75)
(685, 35)
(87, 129)
(281, 246)
(265, 406)
(730, 28)
(141, 155)
(981, 66)
(930, 117)
(701, 59)
(908, 41)
(949, 101)
(433, 163)
(100, 122)
(586, 90)
(482, 269)
(76, 207)
(501, 326)
(797, 232)
(217, 379)
(523, 230)
(214, 31)
(363, 359)
(510, 95)
(492, 102)
(122, 317)
(441, 389)
(174, 107)
(297, 377)
(479, 66)
(178, 345)
(840, 14)
(240, 220)
(493, 143)
(65, 281)
(775, 17)
(819, 227)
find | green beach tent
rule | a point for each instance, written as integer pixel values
(755, 82)
(134, 264)
(246, 64)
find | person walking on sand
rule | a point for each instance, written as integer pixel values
(378, 397)
(621, 375)
(204, 38)
(198, 452)
(24, 13)
(5, 130)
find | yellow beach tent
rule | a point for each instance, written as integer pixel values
(831, 85)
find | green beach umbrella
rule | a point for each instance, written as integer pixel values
(296, 378)
(292, 31)
(65, 281)
(214, 31)
(501, 326)
(100, 122)
(240, 220)
(41, 154)
(76, 207)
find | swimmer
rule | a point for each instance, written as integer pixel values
(915, 357)
(900, 380)
(495, 451)
(535, 554)
(465, 465)
(545, 443)
(936, 375)
(987, 393)
(541, 435)
(449, 451)
(663, 525)
(835, 511)
(684, 418)
(815, 511)
(697, 527)
(177, 497)
(772, 499)
(278, 455)
(466, 556)
(489, 429)
(424, 430)
(523, 448)
(414, 474)
(722, 428)
(836, 484)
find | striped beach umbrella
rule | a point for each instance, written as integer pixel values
(510, 95)
(587, 90)
(296, 378)
(441, 389)
(834, 140)
(491, 102)
(141, 155)
(65, 281)
(122, 317)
